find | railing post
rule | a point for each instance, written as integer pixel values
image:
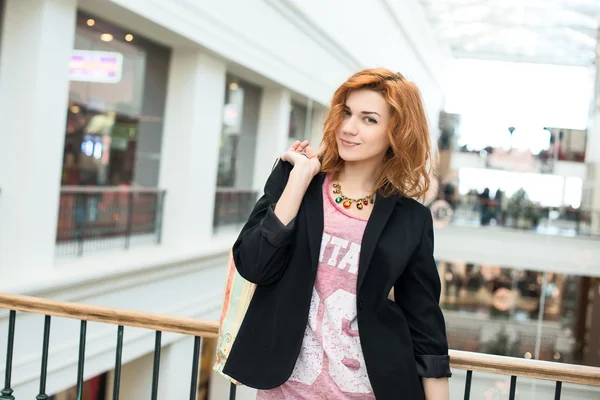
(7, 391)
(44, 372)
(156, 368)
(468, 385)
(81, 360)
(558, 390)
(195, 364)
(118, 358)
(513, 387)
(80, 219)
(129, 219)
(216, 209)
(232, 390)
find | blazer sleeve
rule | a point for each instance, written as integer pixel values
(260, 251)
(417, 292)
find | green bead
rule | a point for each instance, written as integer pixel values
(338, 199)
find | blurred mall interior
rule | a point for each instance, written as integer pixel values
(136, 136)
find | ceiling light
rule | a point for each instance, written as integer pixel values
(75, 109)
(129, 37)
(106, 37)
(233, 86)
(91, 22)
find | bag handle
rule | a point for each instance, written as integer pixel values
(274, 165)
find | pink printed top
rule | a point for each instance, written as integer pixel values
(331, 364)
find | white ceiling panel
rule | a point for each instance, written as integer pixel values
(542, 31)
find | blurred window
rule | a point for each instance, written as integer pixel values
(116, 106)
(238, 139)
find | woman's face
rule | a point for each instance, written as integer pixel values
(362, 135)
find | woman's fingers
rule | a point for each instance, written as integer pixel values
(302, 146)
(297, 147)
(310, 152)
(294, 146)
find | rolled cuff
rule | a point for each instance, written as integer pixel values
(433, 366)
(274, 230)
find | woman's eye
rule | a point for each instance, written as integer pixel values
(370, 120)
(346, 112)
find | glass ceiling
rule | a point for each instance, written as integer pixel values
(541, 31)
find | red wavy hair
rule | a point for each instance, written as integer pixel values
(406, 168)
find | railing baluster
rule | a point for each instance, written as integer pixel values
(468, 385)
(129, 219)
(195, 363)
(81, 361)
(43, 395)
(119, 356)
(156, 365)
(232, 389)
(558, 390)
(513, 387)
(7, 391)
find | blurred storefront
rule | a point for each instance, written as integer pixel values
(521, 313)
(116, 106)
(238, 138)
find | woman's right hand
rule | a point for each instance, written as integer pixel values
(303, 158)
(306, 166)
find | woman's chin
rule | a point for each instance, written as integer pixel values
(349, 156)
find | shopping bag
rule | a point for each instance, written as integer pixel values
(238, 294)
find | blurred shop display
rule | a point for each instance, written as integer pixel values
(514, 312)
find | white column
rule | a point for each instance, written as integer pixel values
(319, 115)
(592, 154)
(273, 130)
(37, 40)
(190, 148)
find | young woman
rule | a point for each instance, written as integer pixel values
(330, 238)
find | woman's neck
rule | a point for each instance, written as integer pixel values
(360, 176)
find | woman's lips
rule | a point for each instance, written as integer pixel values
(346, 143)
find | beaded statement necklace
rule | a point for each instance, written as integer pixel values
(347, 201)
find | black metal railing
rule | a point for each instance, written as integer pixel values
(232, 207)
(470, 362)
(541, 220)
(516, 367)
(96, 219)
(121, 319)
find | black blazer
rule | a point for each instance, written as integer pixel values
(402, 340)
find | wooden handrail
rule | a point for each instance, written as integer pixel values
(138, 319)
(520, 367)
(464, 360)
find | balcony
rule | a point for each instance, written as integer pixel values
(232, 208)
(99, 219)
(480, 371)
(93, 219)
(566, 222)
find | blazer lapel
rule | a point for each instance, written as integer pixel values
(315, 217)
(383, 208)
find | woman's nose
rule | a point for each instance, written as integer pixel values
(349, 127)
